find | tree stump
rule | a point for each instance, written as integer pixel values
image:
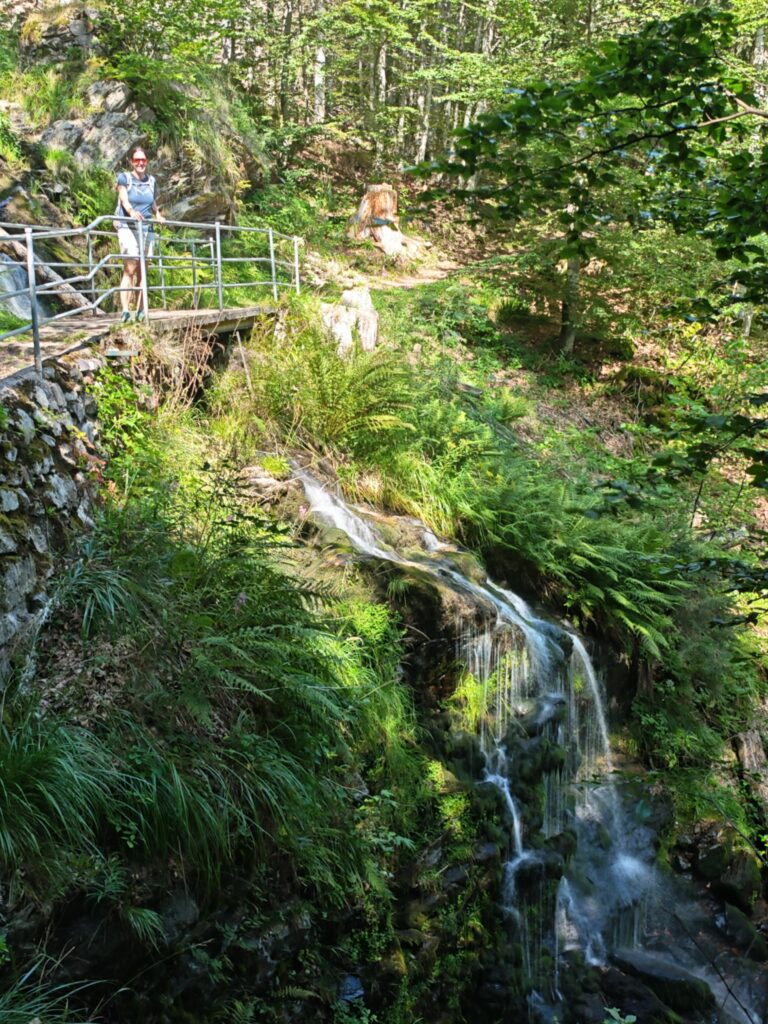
(376, 218)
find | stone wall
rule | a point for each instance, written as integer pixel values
(49, 468)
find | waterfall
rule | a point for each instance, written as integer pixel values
(536, 676)
(13, 277)
(541, 691)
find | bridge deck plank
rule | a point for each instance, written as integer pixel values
(17, 354)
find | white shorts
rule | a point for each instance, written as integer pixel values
(128, 239)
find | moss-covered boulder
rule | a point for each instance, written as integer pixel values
(740, 883)
(674, 986)
(745, 935)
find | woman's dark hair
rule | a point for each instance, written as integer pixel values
(137, 149)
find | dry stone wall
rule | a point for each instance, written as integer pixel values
(49, 468)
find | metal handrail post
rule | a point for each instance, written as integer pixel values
(296, 264)
(219, 281)
(195, 296)
(272, 263)
(92, 289)
(30, 243)
(162, 273)
(143, 268)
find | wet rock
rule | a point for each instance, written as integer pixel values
(676, 987)
(564, 844)
(629, 995)
(744, 934)
(680, 862)
(714, 854)
(538, 866)
(494, 994)
(587, 1008)
(741, 882)
(547, 711)
(486, 853)
(536, 756)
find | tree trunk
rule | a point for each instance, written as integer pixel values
(286, 63)
(426, 124)
(319, 85)
(570, 305)
(760, 61)
(381, 65)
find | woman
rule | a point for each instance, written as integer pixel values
(136, 199)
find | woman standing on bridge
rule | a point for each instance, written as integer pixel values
(137, 199)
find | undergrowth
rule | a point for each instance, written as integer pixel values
(221, 713)
(424, 444)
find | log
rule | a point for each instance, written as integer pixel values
(64, 293)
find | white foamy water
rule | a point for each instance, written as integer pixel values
(533, 671)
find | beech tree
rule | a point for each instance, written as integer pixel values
(656, 127)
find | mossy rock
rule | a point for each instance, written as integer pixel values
(564, 844)
(714, 856)
(675, 987)
(745, 935)
(741, 882)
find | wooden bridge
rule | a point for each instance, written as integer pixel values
(106, 332)
(192, 265)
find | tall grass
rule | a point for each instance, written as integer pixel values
(29, 999)
(55, 785)
(239, 698)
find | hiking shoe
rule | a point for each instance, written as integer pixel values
(125, 318)
(139, 316)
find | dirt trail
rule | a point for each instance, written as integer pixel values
(412, 278)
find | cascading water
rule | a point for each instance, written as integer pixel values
(13, 277)
(542, 699)
(536, 677)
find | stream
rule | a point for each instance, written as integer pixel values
(606, 902)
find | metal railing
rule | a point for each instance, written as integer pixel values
(191, 266)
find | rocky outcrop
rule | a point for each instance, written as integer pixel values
(353, 315)
(204, 208)
(51, 30)
(100, 140)
(49, 465)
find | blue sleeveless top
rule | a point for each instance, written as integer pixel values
(141, 194)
